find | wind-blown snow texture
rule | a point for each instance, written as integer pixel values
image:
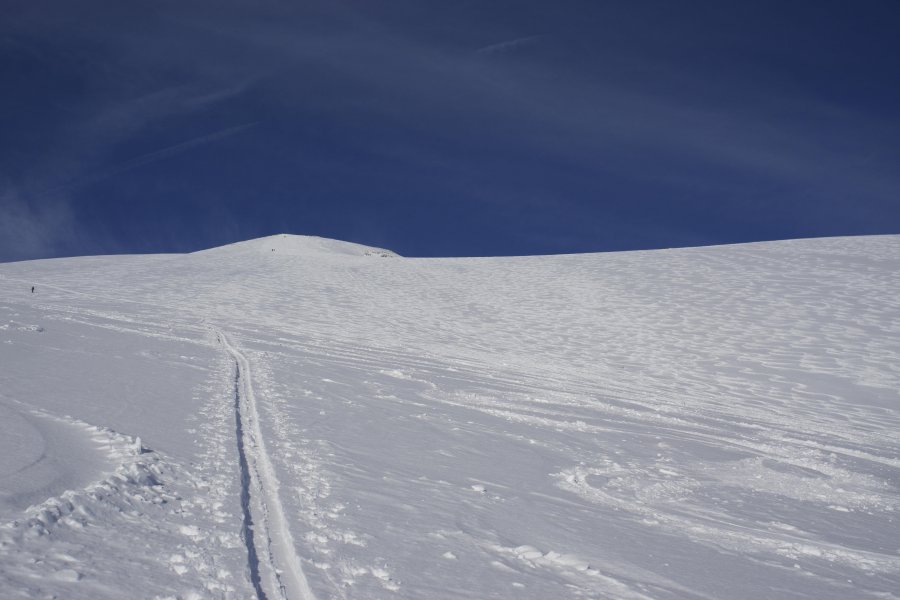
(297, 418)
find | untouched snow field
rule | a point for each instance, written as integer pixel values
(295, 418)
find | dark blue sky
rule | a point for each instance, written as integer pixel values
(473, 127)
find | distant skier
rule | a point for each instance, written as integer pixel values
(32, 289)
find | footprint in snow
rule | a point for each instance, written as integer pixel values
(70, 575)
(192, 531)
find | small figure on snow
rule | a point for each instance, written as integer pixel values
(32, 289)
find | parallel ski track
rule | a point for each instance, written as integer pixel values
(275, 568)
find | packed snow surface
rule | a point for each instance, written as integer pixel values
(295, 418)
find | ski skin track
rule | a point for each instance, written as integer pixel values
(278, 569)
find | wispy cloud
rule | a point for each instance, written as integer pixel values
(510, 45)
(156, 155)
(29, 230)
(203, 99)
(609, 115)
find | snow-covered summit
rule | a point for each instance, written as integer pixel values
(284, 244)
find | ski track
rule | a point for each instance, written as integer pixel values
(275, 569)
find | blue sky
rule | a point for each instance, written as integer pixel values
(483, 127)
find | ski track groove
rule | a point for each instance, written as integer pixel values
(275, 568)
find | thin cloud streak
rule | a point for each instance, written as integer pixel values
(510, 45)
(157, 155)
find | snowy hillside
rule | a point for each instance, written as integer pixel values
(298, 418)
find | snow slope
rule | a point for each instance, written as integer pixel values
(296, 418)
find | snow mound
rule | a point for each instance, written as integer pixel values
(298, 245)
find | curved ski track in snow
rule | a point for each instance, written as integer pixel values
(275, 568)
